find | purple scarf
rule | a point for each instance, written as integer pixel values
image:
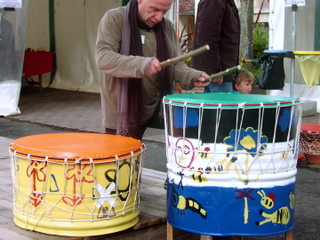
(129, 90)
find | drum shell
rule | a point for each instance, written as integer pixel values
(219, 186)
(221, 211)
(74, 197)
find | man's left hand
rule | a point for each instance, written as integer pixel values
(201, 81)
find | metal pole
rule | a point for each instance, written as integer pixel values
(294, 9)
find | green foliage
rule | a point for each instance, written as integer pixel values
(260, 40)
(260, 43)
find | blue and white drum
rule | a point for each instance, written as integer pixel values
(231, 161)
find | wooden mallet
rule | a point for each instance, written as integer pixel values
(223, 73)
(184, 56)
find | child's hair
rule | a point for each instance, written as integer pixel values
(244, 75)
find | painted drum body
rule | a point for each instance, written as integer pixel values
(76, 184)
(231, 161)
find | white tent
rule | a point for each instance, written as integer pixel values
(76, 25)
(306, 27)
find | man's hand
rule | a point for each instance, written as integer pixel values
(201, 81)
(217, 80)
(154, 67)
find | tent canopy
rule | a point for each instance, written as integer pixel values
(75, 28)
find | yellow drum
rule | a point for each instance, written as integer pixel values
(76, 184)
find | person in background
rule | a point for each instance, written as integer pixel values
(131, 42)
(244, 81)
(218, 25)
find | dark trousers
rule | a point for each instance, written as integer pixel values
(154, 122)
(143, 128)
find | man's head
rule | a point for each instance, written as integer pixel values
(152, 11)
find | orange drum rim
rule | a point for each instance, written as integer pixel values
(76, 147)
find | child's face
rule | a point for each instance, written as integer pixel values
(244, 87)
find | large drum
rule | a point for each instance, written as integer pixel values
(231, 161)
(310, 141)
(76, 184)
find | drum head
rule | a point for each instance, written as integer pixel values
(60, 146)
(228, 100)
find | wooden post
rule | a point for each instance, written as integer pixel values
(206, 237)
(169, 231)
(289, 235)
(237, 237)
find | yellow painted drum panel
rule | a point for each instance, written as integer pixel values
(76, 184)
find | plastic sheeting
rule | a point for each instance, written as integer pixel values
(309, 66)
(272, 73)
(12, 39)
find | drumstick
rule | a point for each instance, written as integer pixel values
(223, 73)
(184, 56)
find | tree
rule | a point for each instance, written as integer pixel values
(246, 37)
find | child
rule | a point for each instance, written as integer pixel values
(244, 81)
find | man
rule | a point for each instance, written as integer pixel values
(131, 43)
(217, 25)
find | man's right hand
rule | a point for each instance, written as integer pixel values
(154, 67)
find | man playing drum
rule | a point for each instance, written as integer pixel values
(131, 42)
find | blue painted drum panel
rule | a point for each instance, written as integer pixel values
(231, 211)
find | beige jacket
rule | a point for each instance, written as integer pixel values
(112, 65)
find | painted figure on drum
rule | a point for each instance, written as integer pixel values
(77, 175)
(280, 216)
(36, 172)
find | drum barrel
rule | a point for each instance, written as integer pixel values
(76, 184)
(231, 161)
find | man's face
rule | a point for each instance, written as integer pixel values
(152, 11)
